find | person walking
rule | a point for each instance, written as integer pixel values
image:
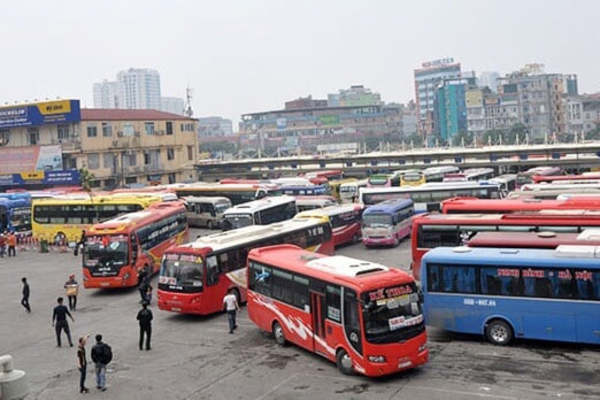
(145, 319)
(59, 321)
(12, 244)
(149, 294)
(231, 306)
(72, 288)
(143, 284)
(25, 299)
(82, 363)
(101, 356)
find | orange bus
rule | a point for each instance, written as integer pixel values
(363, 316)
(117, 250)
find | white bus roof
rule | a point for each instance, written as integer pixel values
(258, 205)
(206, 199)
(328, 211)
(532, 187)
(345, 266)
(432, 186)
(240, 236)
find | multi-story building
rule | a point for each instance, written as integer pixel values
(141, 88)
(450, 110)
(117, 146)
(108, 94)
(427, 79)
(357, 95)
(173, 105)
(475, 111)
(305, 102)
(214, 126)
(488, 79)
(590, 112)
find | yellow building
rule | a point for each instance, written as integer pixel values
(119, 147)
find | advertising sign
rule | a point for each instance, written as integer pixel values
(329, 119)
(15, 160)
(50, 178)
(49, 112)
(474, 98)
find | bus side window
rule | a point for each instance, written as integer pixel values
(212, 211)
(213, 271)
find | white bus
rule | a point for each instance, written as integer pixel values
(533, 187)
(551, 194)
(260, 212)
(436, 174)
(507, 182)
(478, 174)
(206, 211)
(304, 203)
(349, 190)
(427, 197)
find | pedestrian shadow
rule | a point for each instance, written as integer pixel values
(194, 319)
(112, 292)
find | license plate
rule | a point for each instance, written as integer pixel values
(104, 284)
(175, 309)
(404, 363)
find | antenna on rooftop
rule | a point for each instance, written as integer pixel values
(188, 102)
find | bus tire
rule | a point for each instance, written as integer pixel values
(396, 242)
(499, 332)
(278, 334)
(210, 225)
(344, 362)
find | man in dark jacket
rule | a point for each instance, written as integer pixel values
(25, 299)
(59, 321)
(82, 363)
(145, 319)
(143, 283)
(101, 356)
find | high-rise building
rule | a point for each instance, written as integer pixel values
(357, 95)
(427, 79)
(214, 126)
(141, 88)
(450, 109)
(173, 105)
(488, 79)
(108, 94)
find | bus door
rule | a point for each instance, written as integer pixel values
(317, 309)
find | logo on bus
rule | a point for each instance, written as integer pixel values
(384, 293)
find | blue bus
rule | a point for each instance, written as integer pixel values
(306, 190)
(15, 212)
(387, 223)
(514, 293)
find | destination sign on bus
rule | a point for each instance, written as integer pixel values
(389, 293)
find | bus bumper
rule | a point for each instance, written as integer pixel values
(124, 279)
(405, 360)
(378, 241)
(184, 303)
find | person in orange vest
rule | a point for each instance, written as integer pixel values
(12, 244)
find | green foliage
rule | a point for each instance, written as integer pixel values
(415, 139)
(214, 147)
(462, 138)
(86, 179)
(594, 134)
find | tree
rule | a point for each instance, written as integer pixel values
(491, 137)
(462, 138)
(415, 139)
(593, 134)
(86, 178)
(517, 133)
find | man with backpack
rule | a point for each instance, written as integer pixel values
(101, 356)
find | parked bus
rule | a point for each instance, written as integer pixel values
(64, 217)
(507, 182)
(413, 177)
(349, 191)
(526, 177)
(560, 178)
(552, 194)
(237, 193)
(514, 293)
(304, 203)
(260, 212)
(436, 174)
(363, 316)
(15, 213)
(427, 197)
(463, 205)
(115, 251)
(479, 174)
(455, 177)
(434, 230)
(306, 190)
(195, 276)
(336, 184)
(379, 180)
(387, 223)
(534, 240)
(345, 221)
(560, 186)
(206, 211)
(329, 174)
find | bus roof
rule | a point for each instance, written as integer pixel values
(559, 218)
(534, 240)
(127, 222)
(342, 270)
(229, 239)
(259, 205)
(553, 178)
(552, 193)
(145, 200)
(476, 205)
(563, 256)
(206, 199)
(388, 206)
(329, 211)
(427, 187)
(558, 186)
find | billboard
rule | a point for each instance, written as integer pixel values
(329, 119)
(474, 98)
(50, 178)
(30, 158)
(49, 112)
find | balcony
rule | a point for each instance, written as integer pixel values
(69, 145)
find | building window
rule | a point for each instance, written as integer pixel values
(109, 160)
(34, 135)
(172, 178)
(169, 128)
(106, 129)
(4, 136)
(146, 158)
(130, 179)
(170, 154)
(93, 161)
(149, 127)
(190, 153)
(128, 130)
(62, 131)
(92, 131)
(130, 159)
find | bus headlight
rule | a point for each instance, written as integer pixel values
(422, 348)
(377, 359)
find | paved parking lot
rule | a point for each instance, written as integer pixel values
(195, 358)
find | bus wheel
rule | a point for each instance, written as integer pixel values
(499, 332)
(210, 225)
(396, 242)
(278, 334)
(344, 362)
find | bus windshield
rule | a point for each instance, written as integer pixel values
(21, 219)
(374, 220)
(105, 250)
(221, 207)
(182, 270)
(235, 221)
(413, 177)
(392, 314)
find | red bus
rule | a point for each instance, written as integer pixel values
(534, 240)
(328, 174)
(117, 250)
(557, 178)
(471, 205)
(345, 221)
(526, 177)
(363, 316)
(435, 230)
(195, 277)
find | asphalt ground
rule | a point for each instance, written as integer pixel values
(194, 357)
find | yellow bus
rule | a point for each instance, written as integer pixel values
(65, 217)
(335, 186)
(412, 177)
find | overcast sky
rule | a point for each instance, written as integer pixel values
(248, 56)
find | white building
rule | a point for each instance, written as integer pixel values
(108, 94)
(173, 105)
(214, 126)
(141, 88)
(489, 79)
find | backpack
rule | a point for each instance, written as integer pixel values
(106, 354)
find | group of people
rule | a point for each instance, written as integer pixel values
(8, 240)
